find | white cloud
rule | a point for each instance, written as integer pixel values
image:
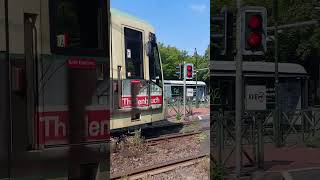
(198, 7)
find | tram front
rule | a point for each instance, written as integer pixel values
(58, 93)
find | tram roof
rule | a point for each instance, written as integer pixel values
(128, 16)
(177, 82)
(221, 68)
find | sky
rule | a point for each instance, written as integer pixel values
(184, 24)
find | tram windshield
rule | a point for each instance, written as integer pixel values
(77, 24)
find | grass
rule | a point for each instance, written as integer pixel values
(218, 172)
(202, 136)
(178, 116)
(137, 139)
(131, 146)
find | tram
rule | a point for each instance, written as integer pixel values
(54, 95)
(136, 73)
(174, 88)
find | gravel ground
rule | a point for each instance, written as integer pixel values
(198, 171)
(131, 155)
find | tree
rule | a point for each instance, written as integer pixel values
(202, 62)
(295, 45)
(172, 57)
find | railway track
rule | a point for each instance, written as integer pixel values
(158, 140)
(160, 130)
(144, 172)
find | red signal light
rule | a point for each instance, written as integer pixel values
(255, 22)
(189, 68)
(189, 71)
(189, 74)
(254, 39)
(254, 31)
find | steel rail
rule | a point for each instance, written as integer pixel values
(155, 141)
(159, 168)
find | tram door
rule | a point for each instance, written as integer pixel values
(139, 91)
(31, 72)
(156, 81)
(23, 100)
(134, 72)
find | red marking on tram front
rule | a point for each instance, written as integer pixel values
(126, 101)
(54, 126)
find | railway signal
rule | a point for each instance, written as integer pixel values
(189, 71)
(179, 71)
(254, 30)
(222, 33)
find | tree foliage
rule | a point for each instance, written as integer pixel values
(172, 57)
(295, 45)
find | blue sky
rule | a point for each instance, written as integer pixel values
(184, 24)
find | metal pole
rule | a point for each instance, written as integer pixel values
(184, 90)
(8, 108)
(260, 142)
(197, 104)
(276, 84)
(238, 92)
(220, 135)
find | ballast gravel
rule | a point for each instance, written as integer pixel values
(131, 155)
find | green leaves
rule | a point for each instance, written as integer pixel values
(295, 45)
(171, 57)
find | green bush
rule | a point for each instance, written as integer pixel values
(178, 116)
(218, 172)
(314, 142)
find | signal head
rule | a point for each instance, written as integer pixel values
(254, 39)
(254, 30)
(255, 21)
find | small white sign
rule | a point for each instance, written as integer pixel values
(256, 97)
(189, 92)
(61, 40)
(128, 53)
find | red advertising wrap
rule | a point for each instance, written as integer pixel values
(97, 123)
(142, 94)
(126, 101)
(53, 124)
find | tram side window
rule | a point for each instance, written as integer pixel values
(133, 53)
(76, 24)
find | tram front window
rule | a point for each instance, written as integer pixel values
(133, 53)
(77, 24)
